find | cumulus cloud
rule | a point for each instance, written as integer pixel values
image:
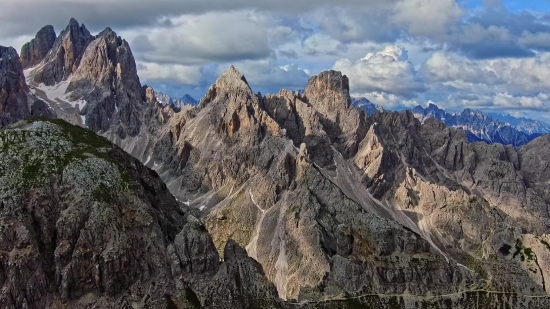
(526, 75)
(488, 57)
(426, 17)
(211, 37)
(387, 71)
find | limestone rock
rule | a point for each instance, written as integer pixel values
(65, 55)
(15, 101)
(86, 225)
(33, 52)
(107, 81)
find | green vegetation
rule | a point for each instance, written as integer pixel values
(523, 252)
(293, 208)
(413, 195)
(545, 244)
(35, 151)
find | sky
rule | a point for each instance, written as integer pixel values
(489, 55)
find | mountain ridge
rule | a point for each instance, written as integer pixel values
(329, 200)
(482, 127)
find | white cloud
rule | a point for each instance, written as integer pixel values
(201, 39)
(169, 72)
(525, 75)
(539, 39)
(387, 71)
(426, 17)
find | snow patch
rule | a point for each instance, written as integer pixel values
(57, 91)
(202, 207)
(148, 159)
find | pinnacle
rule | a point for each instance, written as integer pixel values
(232, 78)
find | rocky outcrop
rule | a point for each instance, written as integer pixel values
(33, 52)
(15, 101)
(86, 225)
(107, 81)
(65, 55)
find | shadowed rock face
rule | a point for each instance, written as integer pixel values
(33, 52)
(15, 102)
(85, 224)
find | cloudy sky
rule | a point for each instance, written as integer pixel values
(491, 55)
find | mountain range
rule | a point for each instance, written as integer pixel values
(111, 199)
(490, 128)
(175, 102)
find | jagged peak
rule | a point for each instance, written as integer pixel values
(46, 29)
(333, 80)
(329, 92)
(73, 21)
(108, 31)
(75, 26)
(233, 76)
(232, 79)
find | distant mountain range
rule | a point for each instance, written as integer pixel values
(483, 127)
(178, 103)
(489, 128)
(367, 105)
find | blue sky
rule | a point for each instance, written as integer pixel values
(490, 55)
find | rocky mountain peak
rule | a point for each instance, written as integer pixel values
(65, 55)
(107, 80)
(232, 79)
(329, 80)
(230, 82)
(15, 103)
(10, 62)
(328, 92)
(33, 52)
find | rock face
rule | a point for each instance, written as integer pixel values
(86, 225)
(15, 101)
(33, 52)
(107, 81)
(366, 205)
(65, 55)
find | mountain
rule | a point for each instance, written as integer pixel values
(368, 106)
(523, 124)
(90, 226)
(16, 102)
(178, 103)
(335, 208)
(33, 52)
(482, 127)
